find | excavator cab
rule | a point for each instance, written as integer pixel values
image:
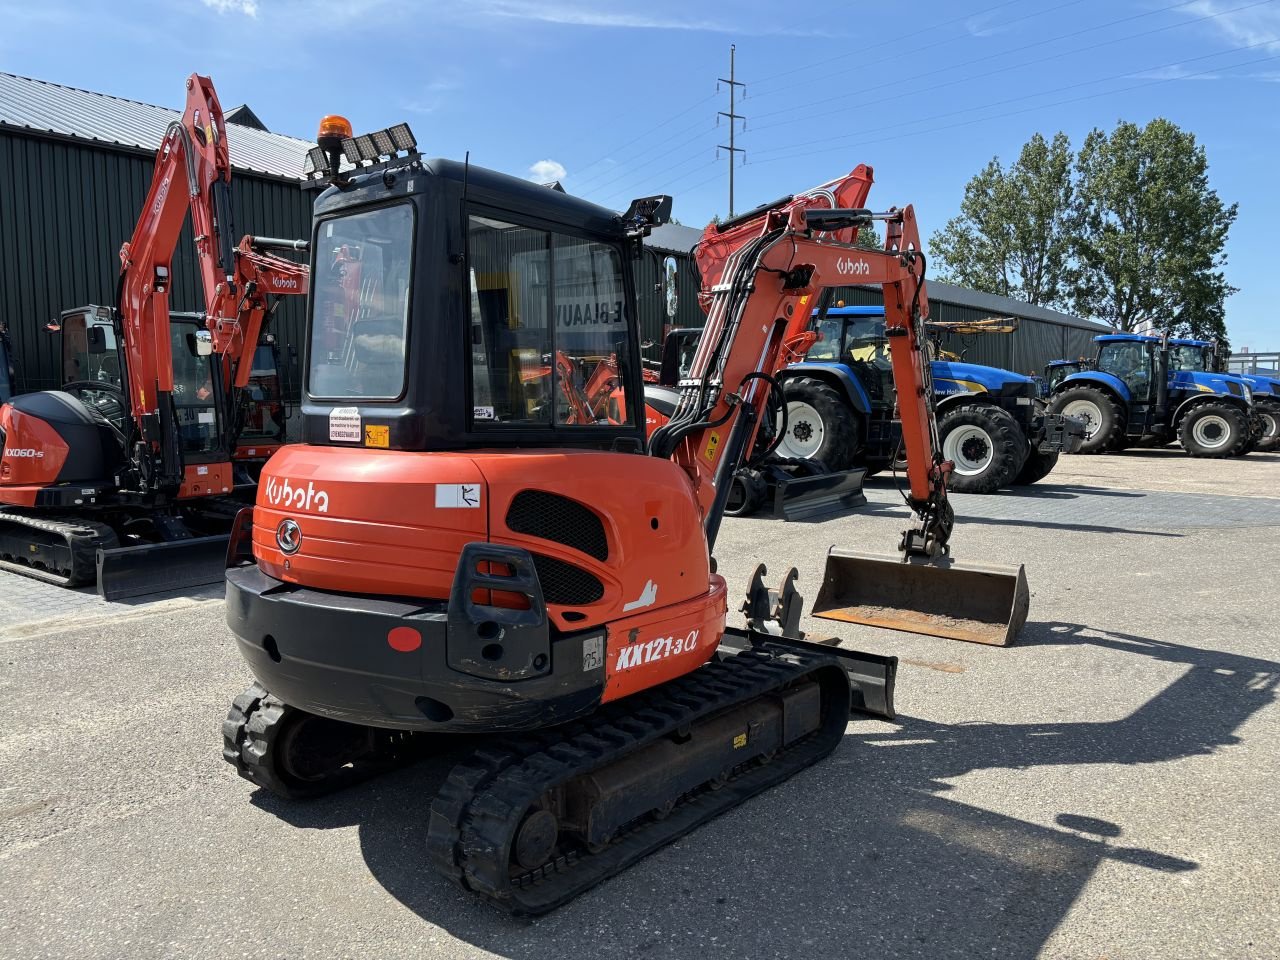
(455, 308)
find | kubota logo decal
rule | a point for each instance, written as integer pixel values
(284, 283)
(283, 493)
(657, 649)
(849, 267)
(24, 452)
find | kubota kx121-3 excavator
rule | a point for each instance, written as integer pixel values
(141, 504)
(453, 550)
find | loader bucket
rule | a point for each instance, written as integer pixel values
(977, 602)
(137, 571)
(803, 498)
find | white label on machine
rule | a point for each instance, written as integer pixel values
(206, 416)
(202, 471)
(344, 424)
(592, 653)
(457, 495)
(482, 413)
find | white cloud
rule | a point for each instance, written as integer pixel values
(545, 171)
(248, 7)
(1258, 24)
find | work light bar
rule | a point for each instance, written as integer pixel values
(366, 149)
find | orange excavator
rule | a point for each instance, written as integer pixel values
(125, 475)
(442, 556)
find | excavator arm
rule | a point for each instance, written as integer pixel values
(193, 173)
(762, 275)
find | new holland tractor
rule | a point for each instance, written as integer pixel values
(840, 410)
(1144, 390)
(1266, 395)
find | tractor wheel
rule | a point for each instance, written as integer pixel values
(1038, 466)
(820, 425)
(1103, 417)
(985, 444)
(1214, 430)
(1270, 415)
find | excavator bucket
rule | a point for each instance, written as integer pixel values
(977, 602)
(137, 571)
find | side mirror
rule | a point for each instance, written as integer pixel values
(200, 343)
(670, 273)
(96, 339)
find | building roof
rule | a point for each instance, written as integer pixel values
(43, 107)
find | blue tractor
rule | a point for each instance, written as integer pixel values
(1144, 390)
(992, 423)
(1266, 394)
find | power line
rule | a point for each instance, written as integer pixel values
(653, 129)
(1016, 66)
(1027, 46)
(1042, 106)
(733, 120)
(887, 43)
(581, 183)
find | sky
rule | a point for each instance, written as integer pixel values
(618, 99)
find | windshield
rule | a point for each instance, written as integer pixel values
(1130, 362)
(829, 330)
(193, 391)
(262, 400)
(865, 342)
(549, 327)
(360, 305)
(1186, 357)
(89, 350)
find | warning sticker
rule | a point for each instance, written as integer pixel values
(457, 495)
(713, 442)
(377, 435)
(344, 424)
(482, 413)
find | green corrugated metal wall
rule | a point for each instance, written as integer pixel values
(67, 206)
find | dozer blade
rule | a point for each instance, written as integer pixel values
(977, 602)
(802, 498)
(871, 677)
(136, 571)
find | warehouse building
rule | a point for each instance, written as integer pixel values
(1042, 334)
(76, 169)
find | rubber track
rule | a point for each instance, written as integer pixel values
(250, 743)
(84, 537)
(482, 803)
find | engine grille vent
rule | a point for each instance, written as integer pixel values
(564, 584)
(550, 516)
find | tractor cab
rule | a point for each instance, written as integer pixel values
(1055, 371)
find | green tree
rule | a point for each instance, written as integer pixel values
(1013, 234)
(1151, 232)
(869, 239)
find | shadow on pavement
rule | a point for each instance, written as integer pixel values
(859, 856)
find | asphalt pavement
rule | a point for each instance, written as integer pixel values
(1103, 789)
